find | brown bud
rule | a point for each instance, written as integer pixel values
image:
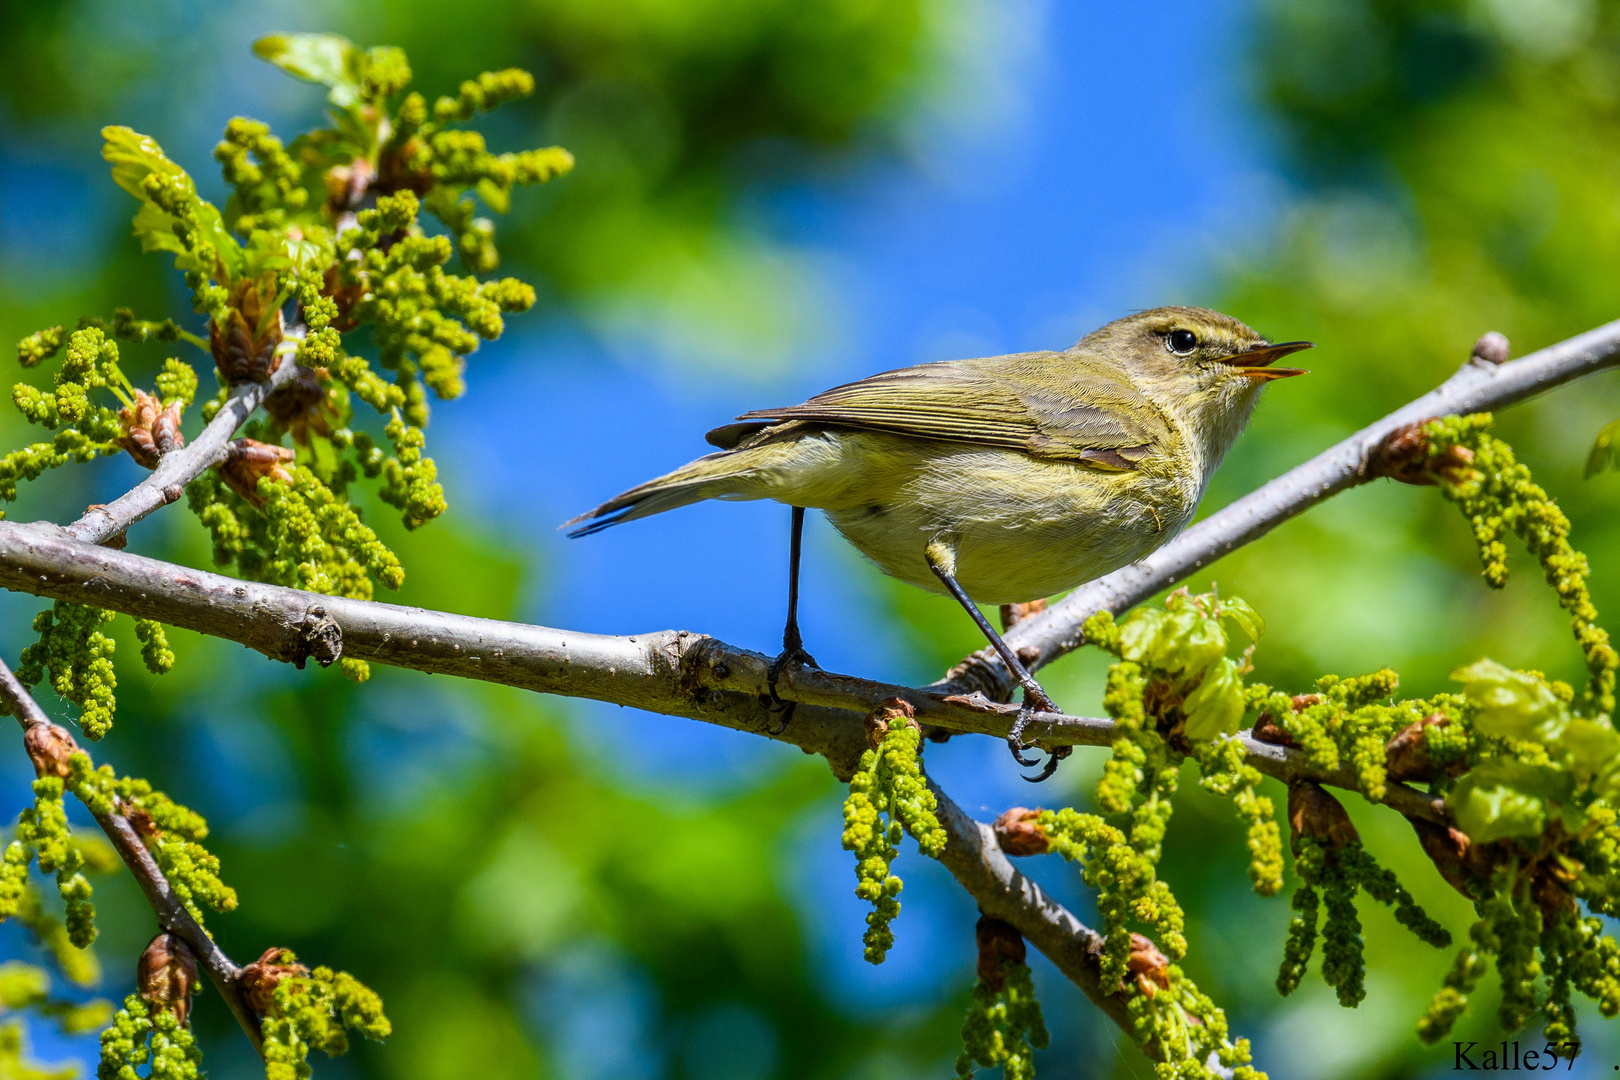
(1313, 812)
(997, 941)
(258, 980)
(1407, 758)
(1267, 731)
(895, 710)
(1018, 833)
(141, 821)
(166, 976)
(1549, 888)
(151, 429)
(247, 461)
(49, 746)
(346, 185)
(1013, 614)
(1150, 966)
(244, 347)
(300, 406)
(345, 295)
(1491, 348)
(1403, 455)
(1466, 866)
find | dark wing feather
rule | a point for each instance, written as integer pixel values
(1048, 405)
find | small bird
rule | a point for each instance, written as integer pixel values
(998, 480)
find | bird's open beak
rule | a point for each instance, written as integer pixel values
(1256, 363)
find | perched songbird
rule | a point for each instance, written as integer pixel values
(999, 480)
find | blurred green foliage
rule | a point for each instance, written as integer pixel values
(1452, 169)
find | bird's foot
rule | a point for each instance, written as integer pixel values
(792, 656)
(1035, 701)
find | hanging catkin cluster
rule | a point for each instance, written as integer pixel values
(888, 798)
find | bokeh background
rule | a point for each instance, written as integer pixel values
(773, 196)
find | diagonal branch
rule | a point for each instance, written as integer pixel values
(1478, 386)
(171, 913)
(976, 860)
(179, 467)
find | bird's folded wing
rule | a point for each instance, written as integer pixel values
(1043, 404)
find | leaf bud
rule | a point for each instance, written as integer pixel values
(1150, 966)
(1405, 454)
(258, 980)
(151, 429)
(244, 348)
(247, 461)
(998, 941)
(878, 721)
(1491, 348)
(49, 746)
(1406, 755)
(166, 976)
(1019, 833)
(1313, 812)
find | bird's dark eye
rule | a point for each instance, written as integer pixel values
(1183, 341)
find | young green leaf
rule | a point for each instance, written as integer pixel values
(328, 59)
(1217, 706)
(1605, 449)
(1503, 797)
(1512, 704)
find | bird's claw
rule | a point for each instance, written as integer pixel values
(792, 656)
(1015, 737)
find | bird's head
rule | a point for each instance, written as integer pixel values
(1204, 368)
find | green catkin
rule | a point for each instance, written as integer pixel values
(1301, 941)
(155, 651)
(135, 1038)
(1496, 494)
(1003, 1027)
(1125, 883)
(1184, 1029)
(888, 781)
(77, 656)
(124, 1044)
(312, 1013)
(1381, 885)
(1226, 773)
(1331, 877)
(192, 870)
(43, 834)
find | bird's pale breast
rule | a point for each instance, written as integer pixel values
(1022, 528)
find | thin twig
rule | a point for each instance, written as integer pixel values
(976, 860)
(179, 467)
(171, 913)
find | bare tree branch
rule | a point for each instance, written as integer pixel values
(670, 671)
(178, 468)
(1479, 386)
(976, 860)
(171, 913)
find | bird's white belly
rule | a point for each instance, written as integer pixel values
(1022, 529)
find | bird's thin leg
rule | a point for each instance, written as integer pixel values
(1035, 698)
(792, 642)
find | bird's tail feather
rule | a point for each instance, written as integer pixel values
(715, 476)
